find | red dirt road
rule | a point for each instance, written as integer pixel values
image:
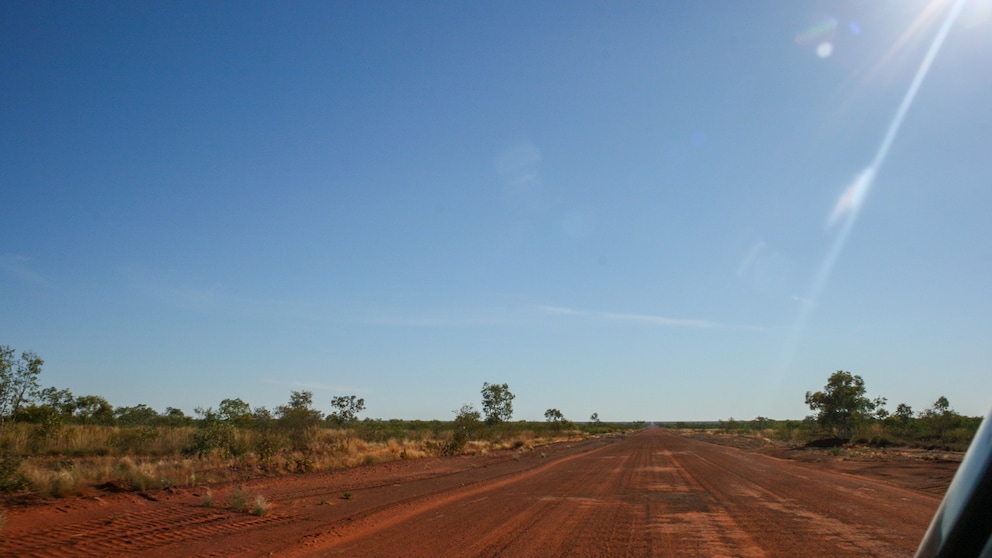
(648, 494)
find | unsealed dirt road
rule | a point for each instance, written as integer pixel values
(647, 494)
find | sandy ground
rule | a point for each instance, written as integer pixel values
(647, 494)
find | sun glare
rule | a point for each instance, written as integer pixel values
(848, 206)
(850, 201)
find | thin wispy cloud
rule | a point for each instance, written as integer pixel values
(660, 320)
(749, 257)
(561, 310)
(219, 300)
(19, 267)
(416, 321)
(647, 319)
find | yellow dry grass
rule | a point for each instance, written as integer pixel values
(79, 458)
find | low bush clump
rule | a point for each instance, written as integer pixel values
(142, 457)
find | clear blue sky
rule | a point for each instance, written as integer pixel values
(620, 208)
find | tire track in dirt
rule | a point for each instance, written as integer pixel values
(580, 492)
(596, 504)
(647, 494)
(386, 516)
(655, 494)
(180, 522)
(135, 533)
(771, 497)
(746, 507)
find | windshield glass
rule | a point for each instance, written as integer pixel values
(668, 211)
(498, 276)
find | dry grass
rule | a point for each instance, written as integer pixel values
(260, 506)
(80, 458)
(58, 477)
(90, 440)
(241, 500)
(238, 499)
(62, 477)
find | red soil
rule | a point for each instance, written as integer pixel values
(648, 494)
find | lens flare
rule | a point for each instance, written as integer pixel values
(820, 32)
(849, 205)
(852, 198)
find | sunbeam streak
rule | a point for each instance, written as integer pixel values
(852, 200)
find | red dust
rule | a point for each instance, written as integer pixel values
(646, 494)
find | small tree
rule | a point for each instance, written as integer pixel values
(51, 409)
(594, 418)
(261, 416)
(940, 418)
(174, 416)
(138, 415)
(346, 410)
(903, 414)
(497, 403)
(881, 413)
(61, 401)
(467, 425)
(214, 432)
(467, 415)
(300, 418)
(18, 381)
(235, 411)
(299, 410)
(761, 423)
(841, 404)
(93, 409)
(556, 418)
(941, 406)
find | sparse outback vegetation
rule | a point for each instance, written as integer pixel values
(497, 403)
(54, 444)
(845, 415)
(260, 506)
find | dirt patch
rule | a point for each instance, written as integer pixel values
(647, 494)
(917, 469)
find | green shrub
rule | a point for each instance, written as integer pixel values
(260, 506)
(238, 499)
(133, 440)
(11, 480)
(214, 435)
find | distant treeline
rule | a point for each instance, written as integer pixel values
(54, 443)
(846, 415)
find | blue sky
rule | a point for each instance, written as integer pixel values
(620, 208)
